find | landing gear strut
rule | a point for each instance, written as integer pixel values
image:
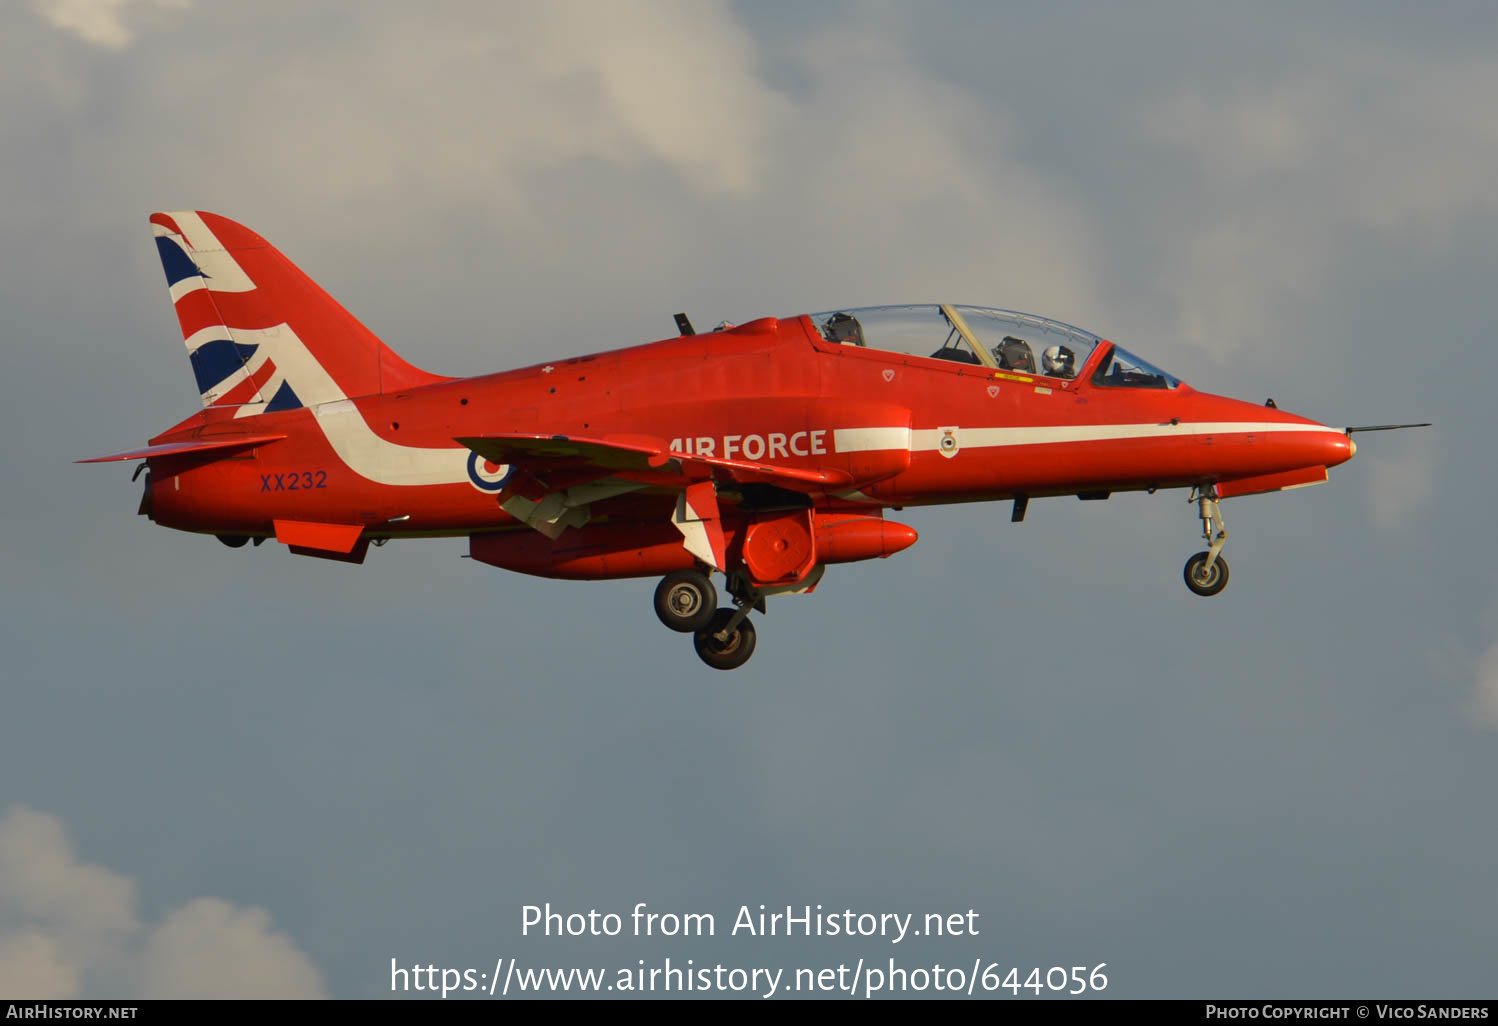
(1206, 573)
(727, 642)
(724, 638)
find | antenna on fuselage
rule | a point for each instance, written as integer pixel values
(684, 325)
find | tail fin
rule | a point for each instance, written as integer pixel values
(261, 335)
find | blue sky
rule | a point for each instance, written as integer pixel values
(236, 772)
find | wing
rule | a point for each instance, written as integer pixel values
(643, 460)
(553, 479)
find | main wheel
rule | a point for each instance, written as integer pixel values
(1202, 580)
(729, 653)
(685, 600)
(234, 541)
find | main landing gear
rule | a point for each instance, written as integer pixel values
(727, 642)
(1206, 573)
(685, 601)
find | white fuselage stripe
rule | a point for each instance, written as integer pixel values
(929, 439)
(386, 462)
(382, 461)
(868, 439)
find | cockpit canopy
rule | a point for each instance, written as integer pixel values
(1004, 340)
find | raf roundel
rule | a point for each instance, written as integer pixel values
(486, 475)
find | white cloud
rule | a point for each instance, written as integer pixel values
(1295, 169)
(100, 22)
(648, 148)
(68, 927)
(913, 187)
(33, 964)
(459, 105)
(87, 910)
(680, 77)
(209, 948)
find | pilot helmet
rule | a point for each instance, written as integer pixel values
(1015, 354)
(1059, 361)
(843, 328)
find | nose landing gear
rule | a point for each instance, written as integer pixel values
(1206, 572)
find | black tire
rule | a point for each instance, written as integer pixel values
(728, 654)
(685, 601)
(234, 541)
(1210, 582)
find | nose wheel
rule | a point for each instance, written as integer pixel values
(1206, 572)
(1204, 579)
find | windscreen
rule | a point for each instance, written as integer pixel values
(1122, 369)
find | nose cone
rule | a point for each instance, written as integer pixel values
(1281, 440)
(1304, 443)
(1339, 447)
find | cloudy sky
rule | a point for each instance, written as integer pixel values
(242, 772)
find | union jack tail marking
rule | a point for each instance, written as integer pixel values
(261, 335)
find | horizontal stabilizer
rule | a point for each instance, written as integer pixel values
(218, 446)
(562, 452)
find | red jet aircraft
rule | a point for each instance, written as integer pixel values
(764, 451)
